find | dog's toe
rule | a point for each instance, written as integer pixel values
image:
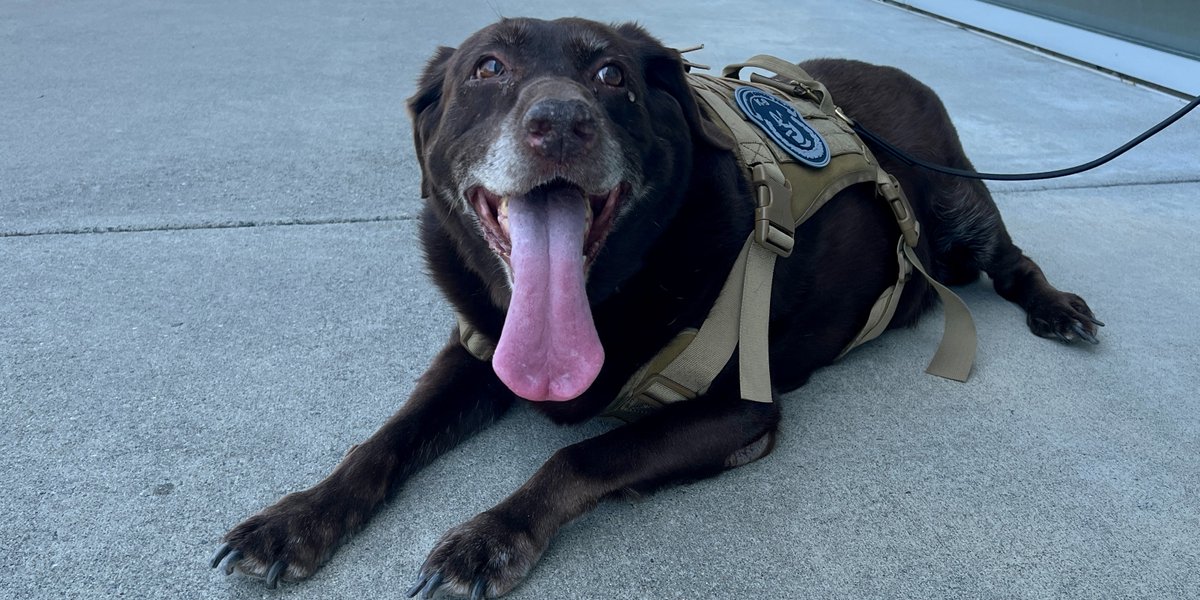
(479, 591)
(1065, 317)
(1083, 333)
(287, 541)
(482, 558)
(427, 585)
(277, 569)
(220, 555)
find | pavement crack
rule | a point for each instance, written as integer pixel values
(246, 223)
(239, 224)
(1090, 186)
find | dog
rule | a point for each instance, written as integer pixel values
(581, 211)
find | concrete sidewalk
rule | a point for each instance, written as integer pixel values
(210, 287)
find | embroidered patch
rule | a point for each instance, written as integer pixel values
(784, 124)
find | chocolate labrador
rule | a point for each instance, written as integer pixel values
(581, 210)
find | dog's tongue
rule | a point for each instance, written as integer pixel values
(548, 349)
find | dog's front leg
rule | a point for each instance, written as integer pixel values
(488, 555)
(455, 398)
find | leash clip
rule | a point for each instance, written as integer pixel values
(774, 226)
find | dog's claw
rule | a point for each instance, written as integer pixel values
(416, 588)
(1083, 333)
(427, 582)
(221, 553)
(479, 590)
(435, 582)
(232, 561)
(274, 572)
(1094, 320)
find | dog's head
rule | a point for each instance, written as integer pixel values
(544, 138)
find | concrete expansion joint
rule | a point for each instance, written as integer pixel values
(210, 225)
(1017, 189)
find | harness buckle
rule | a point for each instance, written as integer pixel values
(891, 191)
(774, 225)
(906, 268)
(660, 391)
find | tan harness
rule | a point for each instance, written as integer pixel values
(787, 193)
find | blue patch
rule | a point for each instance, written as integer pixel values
(785, 126)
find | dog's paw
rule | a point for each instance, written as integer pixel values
(1064, 316)
(482, 558)
(289, 540)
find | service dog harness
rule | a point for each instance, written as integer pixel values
(798, 151)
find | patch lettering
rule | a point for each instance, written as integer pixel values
(784, 124)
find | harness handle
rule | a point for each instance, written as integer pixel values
(800, 82)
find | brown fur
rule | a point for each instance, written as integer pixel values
(658, 272)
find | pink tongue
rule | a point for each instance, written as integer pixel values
(548, 349)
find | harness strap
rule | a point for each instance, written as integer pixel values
(773, 236)
(754, 357)
(692, 368)
(885, 307)
(479, 345)
(956, 352)
(774, 224)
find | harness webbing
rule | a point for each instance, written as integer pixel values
(778, 213)
(740, 316)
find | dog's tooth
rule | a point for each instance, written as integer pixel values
(502, 214)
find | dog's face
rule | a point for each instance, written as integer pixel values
(544, 140)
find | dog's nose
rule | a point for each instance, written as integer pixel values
(560, 129)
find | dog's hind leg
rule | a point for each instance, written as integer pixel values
(491, 553)
(973, 238)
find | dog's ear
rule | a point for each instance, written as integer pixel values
(664, 70)
(425, 108)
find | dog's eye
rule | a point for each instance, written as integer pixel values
(611, 75)
(489, 67)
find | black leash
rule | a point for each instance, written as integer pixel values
(912, 160)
